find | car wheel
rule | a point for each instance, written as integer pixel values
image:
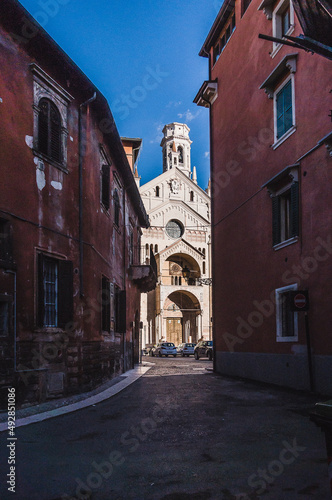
(152, 354)
(160, 355)
(187, 355)
(174, 355)
(210, 355)
(182, 355)
(196, 355)
(166, 355)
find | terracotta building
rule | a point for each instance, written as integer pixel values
(271, 140)
(70, 222)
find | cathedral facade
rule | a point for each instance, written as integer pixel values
(179, 309)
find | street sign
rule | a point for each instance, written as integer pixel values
(299, 300)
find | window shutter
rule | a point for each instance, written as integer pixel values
(276, 233)
(295, 209)
(55, 135)
(40, 290)
(43, 127)
(105, 311)
(122, 312)
(65, 293)
(105, 186)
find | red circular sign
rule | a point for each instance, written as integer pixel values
(300, 300)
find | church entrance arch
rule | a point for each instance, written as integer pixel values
(182, 314)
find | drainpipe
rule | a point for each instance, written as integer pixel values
(15, 327)
(80, 173)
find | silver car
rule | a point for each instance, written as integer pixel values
(186, 349)
(164, 349)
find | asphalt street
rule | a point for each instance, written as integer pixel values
(179, 432)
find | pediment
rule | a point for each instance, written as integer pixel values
(178, 206)
(181, 246)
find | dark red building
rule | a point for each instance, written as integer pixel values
(70, 223)
(271, 144)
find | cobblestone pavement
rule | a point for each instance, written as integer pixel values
(180, 432)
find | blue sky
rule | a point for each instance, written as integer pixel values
(143, 56)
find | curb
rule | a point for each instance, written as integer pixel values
(130, 377)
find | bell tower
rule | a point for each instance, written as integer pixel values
(176, 147)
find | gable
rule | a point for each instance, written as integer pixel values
(177, 209)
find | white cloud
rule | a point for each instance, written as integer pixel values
(188, 116)
(207, 154)
(158, 133)
(173, 104)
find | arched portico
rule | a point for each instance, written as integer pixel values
(181, 317)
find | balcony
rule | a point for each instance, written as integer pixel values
(143, 275)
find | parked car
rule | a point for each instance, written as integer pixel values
(186, 349)
(164, 349)
(147, 349)
(204, 349)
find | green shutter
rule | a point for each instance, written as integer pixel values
(294, 209)
(65, 293)
(276, 229)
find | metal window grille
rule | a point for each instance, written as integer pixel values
(50, 293)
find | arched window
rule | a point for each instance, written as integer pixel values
(157, 191)
(180, 151)
(204, 270)
(49, 130)
(191, 195)
(204, 252)
(156, 249)
(116, 207)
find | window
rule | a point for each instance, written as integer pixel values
(225, 36)
(105, 186)
(6, 257)
(105, 304)
(55, 292)
(50, 105)
(279, 86)
(116, 207)
(157, 191)
(283, 102)
(286, 319)
(119, 310)
(282, 22)
(285, 214)
(49, 130)
(285, 21)
(204, 270)
(174, 229)
(191, 195)
(180, 151)
(156, 249)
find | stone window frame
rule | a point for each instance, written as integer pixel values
(279, 292)
(45, 87)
